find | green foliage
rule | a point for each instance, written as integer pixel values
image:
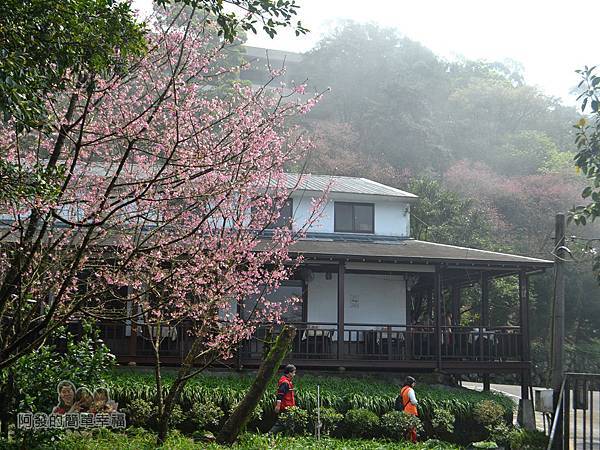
(500, 433)
(396, 425)
(141, 413)
(522, 439)
(177, 417)
(488, 412)
(443, 216)
(484, 444)
(295, 420)
(137, 439)
(45, 43)
(19, 183)
(331, 420)
(340, 393)
(587, 140)
(271, 15)
(361, 423)
(86, 361)
(206, 416)
(442, 422)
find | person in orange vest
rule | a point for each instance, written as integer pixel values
(285, 395)
(409, 403)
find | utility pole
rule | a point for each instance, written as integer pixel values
(558, 318)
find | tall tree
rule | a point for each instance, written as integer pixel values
(167, 187)
(44, 42)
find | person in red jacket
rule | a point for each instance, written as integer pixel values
(285, 395)
(409, 403)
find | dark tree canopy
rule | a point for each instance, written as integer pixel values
(45, 42)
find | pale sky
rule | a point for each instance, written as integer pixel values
(550, 38)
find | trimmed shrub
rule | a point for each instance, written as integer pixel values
(442, 422)
(176, 418)
(484, 444)
(205, 416)
(527, 440)
(396, 425)
(295, 420)
(342, 394)
(500, 433)
(488, 412)
(141, 413)
(361, 423)
(331, 421)
(82, 359)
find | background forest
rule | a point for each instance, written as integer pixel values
(490, 157)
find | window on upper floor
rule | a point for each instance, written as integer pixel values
(354, 217)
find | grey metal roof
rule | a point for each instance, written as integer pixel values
(272, 54)
(349, 185)
(411, 250)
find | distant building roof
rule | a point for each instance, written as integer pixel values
(274, 55)
(349, 185)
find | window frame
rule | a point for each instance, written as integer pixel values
(336, 229)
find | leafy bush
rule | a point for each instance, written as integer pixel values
(361, 423)
(205, 416)
(175, 441)
(140, 413)
(339, 393)
(488, 412)
(295, 420)
(84, 360)
(500, 433)
(396, 425)
(331, 421)
(522, 439)
(442, 422)
(176, 418)
(484, 444)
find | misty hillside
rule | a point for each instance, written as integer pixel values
(490, 157)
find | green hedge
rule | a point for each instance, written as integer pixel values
(340, 393)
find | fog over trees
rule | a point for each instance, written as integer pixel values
(490, 156)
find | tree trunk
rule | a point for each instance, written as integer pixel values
(173, 392)
(267, 370)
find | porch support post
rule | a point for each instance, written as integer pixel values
(455, 304)
(340, 314)
(485, 300)
(484, 323)
(525, 414)
(524, 324)
(437, 289)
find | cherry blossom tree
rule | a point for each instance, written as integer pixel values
(168, 187)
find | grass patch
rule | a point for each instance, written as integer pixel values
(143, 440)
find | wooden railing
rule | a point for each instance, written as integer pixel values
(319, 340)
(365, 341)
(313, 341)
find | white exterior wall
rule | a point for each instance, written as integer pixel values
(392, 217)
(368, 298)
